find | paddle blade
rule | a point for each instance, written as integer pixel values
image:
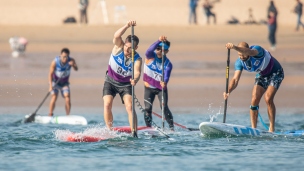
(134, 134)
(30, 118)
(193, 129)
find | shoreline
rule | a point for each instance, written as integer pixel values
(197, 53)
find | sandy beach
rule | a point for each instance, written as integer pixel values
(198, 55)
(195, 89)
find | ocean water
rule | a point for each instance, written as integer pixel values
(35, 146)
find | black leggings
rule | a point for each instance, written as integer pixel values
(150, 94)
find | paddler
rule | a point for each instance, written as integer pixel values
(59, 75)
(153, 79)
(118, 79)
(268, 79)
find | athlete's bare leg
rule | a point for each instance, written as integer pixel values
(67, 103)
(271, 109)
(128, 104)
(107, 110)
(52, 104)
(257, 93)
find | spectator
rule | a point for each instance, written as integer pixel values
(192, 16)
(207, 9)
(273, 9)
(298, 11)
(251, 19)
(83, 5)
(272, 27)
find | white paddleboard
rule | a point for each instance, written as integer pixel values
(67, 119)
(218, 128)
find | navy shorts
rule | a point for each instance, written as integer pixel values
(274, 79)
(64, 89)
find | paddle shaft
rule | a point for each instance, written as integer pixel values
(50, 91)
(143, 111)
(134, 133)
(182, 126)
(227, 82)
(163, 103)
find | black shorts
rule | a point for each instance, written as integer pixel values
(110, 89)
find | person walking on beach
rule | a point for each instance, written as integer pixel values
(153, 79)
(83, 5)
(272, 27)
(268, 79)
(207, 8)
(298, 10)
(192, 16)
(59, 75)
(118, 79)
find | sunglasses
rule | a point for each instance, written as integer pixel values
(160, 49)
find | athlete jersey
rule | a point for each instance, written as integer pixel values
(120, 68)
(153, 70)
(62, 71)
(263, 63)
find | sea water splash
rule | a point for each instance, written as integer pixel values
(213, 116)
(94, 131)
(101, 133)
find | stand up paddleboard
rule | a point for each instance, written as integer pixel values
(67, 119)
(80, 137)
(220, 129)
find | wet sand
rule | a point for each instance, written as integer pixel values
(197, 53)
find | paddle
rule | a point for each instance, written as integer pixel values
(134, 133)
(143, 111)
(31, 118)
(162, 78)
(182, 126)
(227, 81)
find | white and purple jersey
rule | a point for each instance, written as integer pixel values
(153, 70)
(62, 71)
(263, 63)
(119, 69)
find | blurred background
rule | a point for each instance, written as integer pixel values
(147, 12)
(198, 50)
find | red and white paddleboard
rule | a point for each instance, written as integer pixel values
(74, 137)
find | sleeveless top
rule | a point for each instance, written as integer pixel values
(262, 64)
(120, 69)
(153, 72)
(62, 71)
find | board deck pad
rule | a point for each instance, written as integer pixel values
(218, 128)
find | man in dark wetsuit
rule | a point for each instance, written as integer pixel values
(118, 79)
(153, 79)
(268, 79)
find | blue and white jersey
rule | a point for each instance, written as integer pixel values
(61, 72)
(263, 63)
(118, 70)
(153, 72)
